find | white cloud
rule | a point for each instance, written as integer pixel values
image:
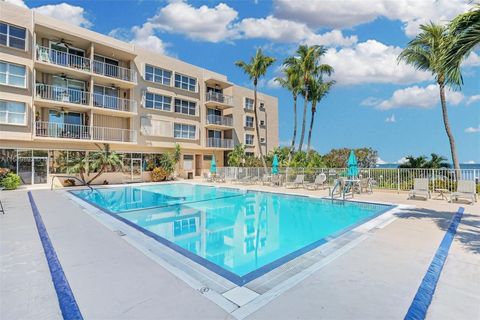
(473, 129)
(63, 11)
(470, 162)
(143, 36)
(473, 99)
(402, 160)
(371, 62)
(380, 161)
(203, 23)
(349, 13)
(282, 30)
(391, 119)
(473, 60)
(416, 97)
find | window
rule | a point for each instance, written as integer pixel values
(12, 112)
(249, 122)
(185, 82)
(262, 140)
(207, 157)
(184, 131)
(12, 36)
(262, 105)
(12, 74)
(249, 154)
(185, 107)
(158, 75)
(156, 101)
(249, 139)
(262, 123)
(248, 104)
(187, 162)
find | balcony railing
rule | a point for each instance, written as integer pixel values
(219, 143)
(219, 120)
(218, 97)
(82, 132)
(61, 94)
(64, 59)
(112, 71)
(115, 103)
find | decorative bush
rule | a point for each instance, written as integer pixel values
(158, 174)
(11, 181)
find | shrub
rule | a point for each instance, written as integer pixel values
(158, 174)
(11, 181)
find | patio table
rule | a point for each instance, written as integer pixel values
(442, 194)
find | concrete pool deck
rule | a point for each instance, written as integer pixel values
(111, 279)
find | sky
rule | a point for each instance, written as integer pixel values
(376, 102)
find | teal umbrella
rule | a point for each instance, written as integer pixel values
(213, 165)
(275, 165)
(352, 165)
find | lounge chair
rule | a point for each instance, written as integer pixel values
(245, 180)
(465, 190)
(366, 185)
(420, 188)
(275, 180)
(299, 180)
(219, 178)
(319, 182)
(207, 177)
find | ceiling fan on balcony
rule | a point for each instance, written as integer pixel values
(63, 41)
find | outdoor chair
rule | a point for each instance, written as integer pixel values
(275, 180)
(319, 182)
(219, 178)
(266, 179)
(207, 177)
(420, 188)
(299, 180)
(465, 190)
(366, 185)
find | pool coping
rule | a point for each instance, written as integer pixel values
(229, 275)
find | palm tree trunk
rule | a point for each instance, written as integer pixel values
(99, 173)
(294, 137)
(304, 121)
(257, 127)
(453, 148)
(311, 127)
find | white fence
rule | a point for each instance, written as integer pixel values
(392, 179)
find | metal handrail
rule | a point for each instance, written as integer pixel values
(113, 71)
(60, 58)
(218, 97)
(70, 177)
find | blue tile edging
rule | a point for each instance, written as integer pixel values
(419, 307)
(66, 299)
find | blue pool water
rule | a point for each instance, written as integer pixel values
(238, 234)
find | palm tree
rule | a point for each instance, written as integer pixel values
(306, 64)
(428, 52)
(255, 69)
(318, 90)
(466, 28)
(291, 82)
(436, 161)
(412, 162)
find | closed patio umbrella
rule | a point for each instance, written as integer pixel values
(213, 165)
(352, 165)
(275, 165)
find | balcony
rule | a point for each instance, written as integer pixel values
(62, 59)
(214, 121)
(82, 132)
(114, 103)
(114, 72)
(219, 143)
(218, 100)
(61, 94)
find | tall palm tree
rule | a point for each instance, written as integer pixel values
(428, 52)
(291, 82)
(414, 162)
(306, 62)
(436, 161)
(466, 28)
(318, 90)
(255, 70)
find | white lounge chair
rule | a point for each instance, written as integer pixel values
(319, 182)
(465, 190)
(366, 185)
(275, 180)
(207, 177)
(420, 188)
(219, 178)
(299, 180)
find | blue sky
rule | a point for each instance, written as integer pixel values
(376, 103)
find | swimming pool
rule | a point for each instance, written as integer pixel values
(238, 234)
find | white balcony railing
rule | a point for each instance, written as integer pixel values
(219, 143)
(61, 94)
(115, 103)
(64, 59)
(219, 120)
(218, 97)
(82, 132)
(112, 71)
